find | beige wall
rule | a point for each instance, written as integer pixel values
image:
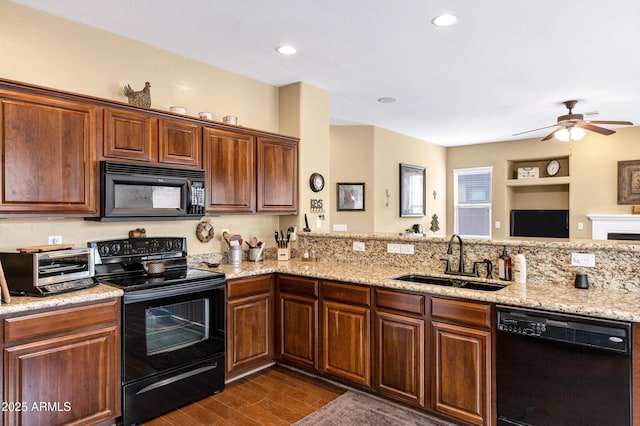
(372, 155)
(593, 165)
(45, 50)
(304, 112)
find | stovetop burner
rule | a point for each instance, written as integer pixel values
(137, 282)
(121, 263)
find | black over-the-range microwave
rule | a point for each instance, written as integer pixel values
(148, 192)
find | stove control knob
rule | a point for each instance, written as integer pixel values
(115, 248)
(104, 250)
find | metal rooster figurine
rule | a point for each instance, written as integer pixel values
(141, 98)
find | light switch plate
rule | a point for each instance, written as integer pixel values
(339, 227)
(407, 248)
(393, 248)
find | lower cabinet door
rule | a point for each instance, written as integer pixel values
(249, 333)
(72, 379)
(462, 372)
(401, 357)
(346, 342)
(298, 329)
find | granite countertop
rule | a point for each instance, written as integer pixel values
(560, 297)
(28, 303)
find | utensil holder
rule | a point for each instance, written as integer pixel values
(284, 253)
(253, 254)
(235, 255)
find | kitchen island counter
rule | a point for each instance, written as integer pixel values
(559, 297)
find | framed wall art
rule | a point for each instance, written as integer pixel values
(412, 191)
(629, 182)
(350, 197)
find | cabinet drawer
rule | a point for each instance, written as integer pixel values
(471, 313)
(410, 303)
(249, 286)
(60, 321)
(295, 285)
(346, 293)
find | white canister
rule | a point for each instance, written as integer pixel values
(178, 109)
(230, 119)
(235, 255)
(205, 115)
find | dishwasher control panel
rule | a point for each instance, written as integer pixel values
(572, 329)
(529, 327)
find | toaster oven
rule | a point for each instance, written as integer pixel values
(52, 272)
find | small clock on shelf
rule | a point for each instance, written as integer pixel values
(316, 182)
(553, 168)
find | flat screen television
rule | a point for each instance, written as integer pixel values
(540, 223)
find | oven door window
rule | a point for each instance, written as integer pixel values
(165, 333)
(176, 326)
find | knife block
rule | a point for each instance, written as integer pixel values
(284, 253)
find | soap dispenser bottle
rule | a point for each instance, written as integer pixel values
(520, 268)
(504, 265)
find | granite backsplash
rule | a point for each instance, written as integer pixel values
(617, 264)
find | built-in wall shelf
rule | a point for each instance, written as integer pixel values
(543, 181)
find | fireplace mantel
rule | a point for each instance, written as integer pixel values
(603, 224)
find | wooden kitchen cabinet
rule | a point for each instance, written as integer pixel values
(48, 148)
(346, 332)
(401, 371)
(250, 333)
(62, 366)
(248, 173)
(277, 175)
(462, 360)
(297, 321)
(142, 136)
(229, 161)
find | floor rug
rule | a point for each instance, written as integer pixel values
(355, 408)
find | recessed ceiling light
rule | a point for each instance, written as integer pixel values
(286, 49)
(386, 100)
(444, 20)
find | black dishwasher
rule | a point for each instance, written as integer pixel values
(560, 369)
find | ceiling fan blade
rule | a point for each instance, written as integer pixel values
(529, 131)
(597, 129)
(620, 123)
(549, 136)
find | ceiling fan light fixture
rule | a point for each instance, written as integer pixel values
(573, 133)
(445, 20)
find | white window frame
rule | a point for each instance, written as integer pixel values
(456, 204)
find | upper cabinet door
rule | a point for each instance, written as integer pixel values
(277, 170)
(48, 152)
(130, 135)
(179, 143)
(229, 161)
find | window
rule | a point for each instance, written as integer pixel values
(472, 201)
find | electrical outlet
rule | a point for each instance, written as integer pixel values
(358, 246)
(55, 239)
(407, 249)
(394, 248)
(583, 259)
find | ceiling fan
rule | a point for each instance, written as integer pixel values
(570, 125)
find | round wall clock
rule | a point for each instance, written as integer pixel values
(316, 182)
(553, 168)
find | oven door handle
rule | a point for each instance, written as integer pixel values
(177, 378)
(171, 290)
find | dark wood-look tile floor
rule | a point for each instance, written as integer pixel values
(276, 396)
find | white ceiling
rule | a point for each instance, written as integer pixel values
(504, 68)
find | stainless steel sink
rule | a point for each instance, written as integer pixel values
(451, 282)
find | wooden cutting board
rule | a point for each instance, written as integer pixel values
(48, 247)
